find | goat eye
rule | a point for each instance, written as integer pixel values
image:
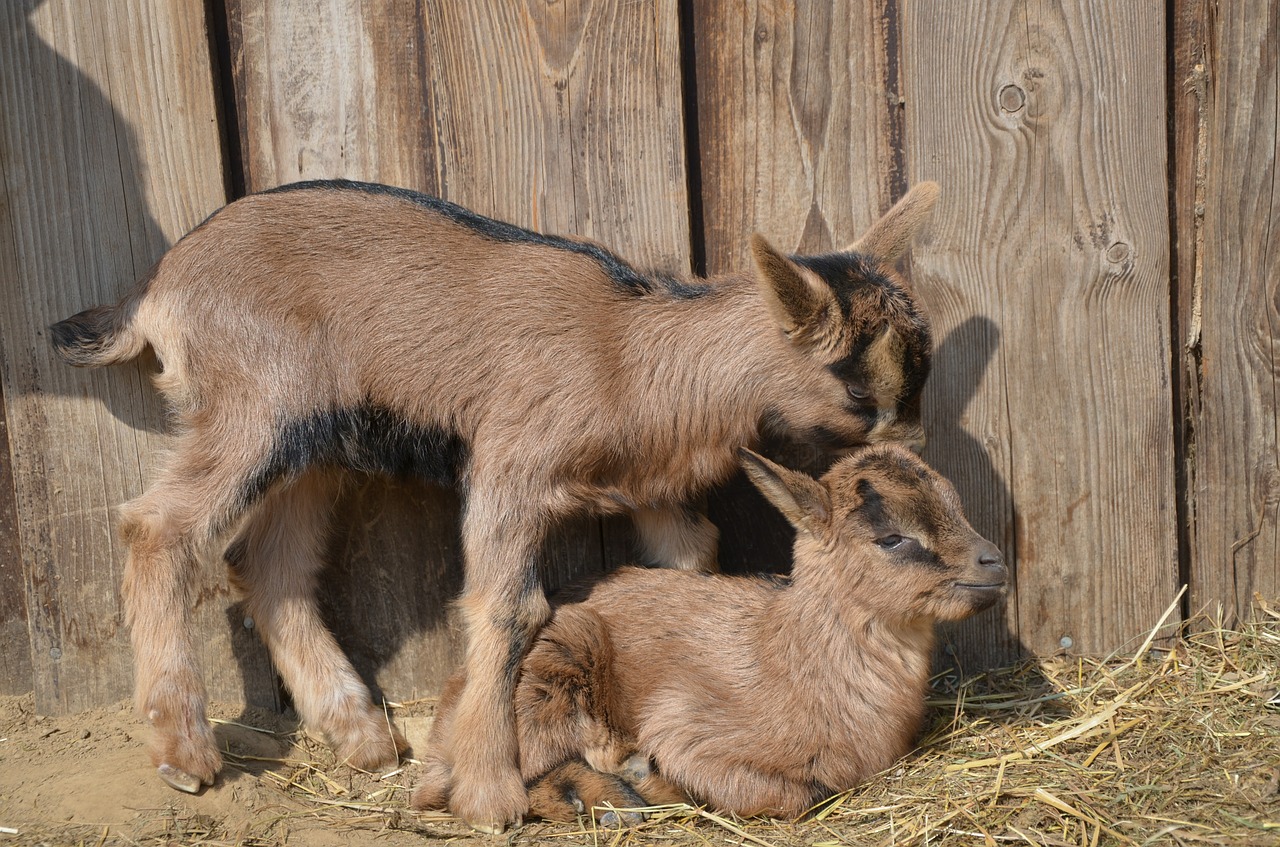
(890, 542)
(858, 392)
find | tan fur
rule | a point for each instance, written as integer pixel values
(570, 392)
(890, 236)
(748, 695)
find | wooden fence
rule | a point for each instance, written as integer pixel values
(1102, 270)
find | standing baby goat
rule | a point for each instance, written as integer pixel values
(332, 326)
(751, 695)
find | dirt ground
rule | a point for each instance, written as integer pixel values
(86, 779)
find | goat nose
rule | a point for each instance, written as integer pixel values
(989, 556)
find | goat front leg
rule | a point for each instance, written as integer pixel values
(677, 537)
(503, 605)
(575, 788)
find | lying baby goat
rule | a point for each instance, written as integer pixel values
(334, 326)
(751, 695)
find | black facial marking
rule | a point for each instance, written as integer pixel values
(618, 270)
(924, 557)
(853, 276)
(830, 441)
(365, 438)
(872, 508)
(851, 369)
(846, 273)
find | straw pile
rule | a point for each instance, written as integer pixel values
(1176, 743)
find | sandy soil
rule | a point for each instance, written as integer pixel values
(86, 779)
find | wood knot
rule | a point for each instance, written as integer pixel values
(1117, 252)
(1012, 98)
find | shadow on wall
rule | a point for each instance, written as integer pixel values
(73, 215)
(959, 364)
(75, 185)
(72, 167)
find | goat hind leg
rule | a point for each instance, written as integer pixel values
(434, 782)
(194, 498)
(274, 562)
(677, 537)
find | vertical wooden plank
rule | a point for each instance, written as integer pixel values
(562, 117)
(1045, 122)
(1231, 347)
(798, 126)
(797, 123)
(108, 151)
(579, 130)
(15, 648)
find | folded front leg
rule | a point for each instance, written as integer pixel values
(574, 788)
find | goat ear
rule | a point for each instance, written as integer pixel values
(890, 236)
(800, 302)
(883, 359)
(799, 497)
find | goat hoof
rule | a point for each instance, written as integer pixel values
(493, 827)
(614, 819)
(636, 768)
(179, 779)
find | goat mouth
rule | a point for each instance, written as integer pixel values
(979, 596)
(981, 586)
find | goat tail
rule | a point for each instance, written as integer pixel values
(103, 335)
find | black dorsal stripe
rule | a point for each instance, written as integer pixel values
(502, 232)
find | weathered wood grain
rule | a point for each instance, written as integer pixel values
(1054, 405)
(1231, 291)
(1045, 122)
(561, 117)
(797, 124)
(108, 151)
(15, 649)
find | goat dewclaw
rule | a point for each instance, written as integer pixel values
(749, 694)
(332, 326)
